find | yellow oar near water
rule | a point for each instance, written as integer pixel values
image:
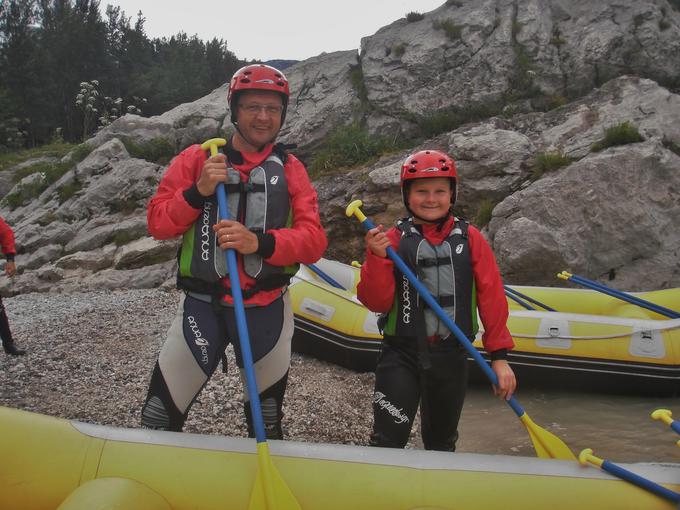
(270, 491)
(547, 445)
(586, 457)
(665, 415)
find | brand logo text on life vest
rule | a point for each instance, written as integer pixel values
(406, 301)
(205, 232)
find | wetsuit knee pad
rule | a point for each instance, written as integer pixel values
(159, 411)
(271, 418)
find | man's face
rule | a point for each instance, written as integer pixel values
(258, 114)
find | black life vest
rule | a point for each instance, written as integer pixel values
(262, 203)
(446, 271)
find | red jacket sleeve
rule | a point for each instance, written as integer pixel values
(7, 239)
(491, 301)
(305, 240)
(376, 285)
(168, 214)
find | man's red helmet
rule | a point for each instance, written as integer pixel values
(426, 164)
(257, 77)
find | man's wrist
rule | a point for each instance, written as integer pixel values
(194, 197)
(265, 244)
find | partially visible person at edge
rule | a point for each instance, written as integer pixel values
(9, 251)
(278, 227)
(420, 360)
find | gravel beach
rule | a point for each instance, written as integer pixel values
(90, 355)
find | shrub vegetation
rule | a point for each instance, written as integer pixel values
(451, 30)
(158, 150)
(347, 147)
(619, 134)
(484, 213)
(548, 162)
(414, 16)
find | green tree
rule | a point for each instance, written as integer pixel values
(48, 48)
(20, 100)
(73, 42)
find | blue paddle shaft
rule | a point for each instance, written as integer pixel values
(325, 277)
(528, 298)
(518, 300)
(675, 425)
(640, 481)
(242, 326)
(432, 303)
(667, 312)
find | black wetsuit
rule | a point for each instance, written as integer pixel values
(194, 346)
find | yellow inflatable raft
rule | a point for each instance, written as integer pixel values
(49, 463)
(593, 341)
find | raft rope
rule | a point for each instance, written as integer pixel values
(344, 295)
(604, 337)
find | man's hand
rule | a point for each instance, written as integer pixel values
(214, 171)
(234, 235)
(10, 268)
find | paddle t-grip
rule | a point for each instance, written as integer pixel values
(213, 144)
(353, 209)
(665, 416)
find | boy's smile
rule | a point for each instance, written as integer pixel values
(430, 199)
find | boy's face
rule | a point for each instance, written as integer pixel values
(430, 198)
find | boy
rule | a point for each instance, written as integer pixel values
(420, 359)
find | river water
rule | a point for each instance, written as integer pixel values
(617, 427)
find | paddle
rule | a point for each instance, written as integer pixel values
(547, 445)
(324, 276)
(585, 282)
(270, 490)
(586, 456)
(527, 298)
(518, 300)
(665, 416)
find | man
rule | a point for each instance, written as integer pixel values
(9, 251)
(275, 225)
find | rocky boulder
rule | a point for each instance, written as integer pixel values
(496, 74)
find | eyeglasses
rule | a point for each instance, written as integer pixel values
(269, 109)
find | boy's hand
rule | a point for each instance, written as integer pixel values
(377, 241)
(506, 379)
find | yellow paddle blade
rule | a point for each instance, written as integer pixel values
(547, 445)
(270, 491)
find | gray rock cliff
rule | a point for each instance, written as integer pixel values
(508, 82)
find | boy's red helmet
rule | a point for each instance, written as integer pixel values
(257, 77)
(426, 164)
